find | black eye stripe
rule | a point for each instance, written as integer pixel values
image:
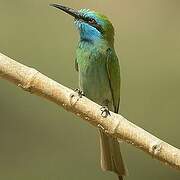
(94, 23)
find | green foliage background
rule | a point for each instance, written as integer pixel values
(39, 140)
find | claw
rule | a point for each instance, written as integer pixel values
(105, 111)
(101, 127)
(79, 92)
(75, 96)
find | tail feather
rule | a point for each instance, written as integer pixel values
(111, 159)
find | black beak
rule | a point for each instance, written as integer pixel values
(68, 10)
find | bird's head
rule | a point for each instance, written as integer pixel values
(92, 25)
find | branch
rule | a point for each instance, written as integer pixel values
(117, 126)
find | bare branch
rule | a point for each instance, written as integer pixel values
(33, 81)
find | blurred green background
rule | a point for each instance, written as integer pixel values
(39, 140)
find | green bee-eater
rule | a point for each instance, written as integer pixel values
(99, 74)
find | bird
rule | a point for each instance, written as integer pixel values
(99, 75)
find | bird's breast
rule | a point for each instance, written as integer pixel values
(93, 77)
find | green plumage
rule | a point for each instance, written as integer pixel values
(99, 75)
(99, 78)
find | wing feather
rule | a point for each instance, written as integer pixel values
(113, 71)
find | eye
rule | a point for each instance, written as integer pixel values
(91, 21)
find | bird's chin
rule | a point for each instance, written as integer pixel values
(79, 23)
(87, 32)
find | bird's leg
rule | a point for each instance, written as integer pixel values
(79, 92)
(105, 111)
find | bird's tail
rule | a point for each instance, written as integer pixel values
(120, 177)
(111, 159)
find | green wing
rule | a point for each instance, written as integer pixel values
(113, 71)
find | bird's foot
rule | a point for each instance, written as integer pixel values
(79, 92)
(74, 97)
(105, 111)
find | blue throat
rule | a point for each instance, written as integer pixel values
(88, 33)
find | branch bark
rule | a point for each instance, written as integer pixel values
(117, 126)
